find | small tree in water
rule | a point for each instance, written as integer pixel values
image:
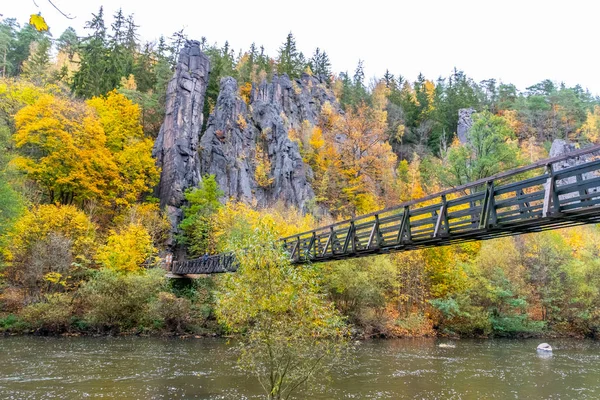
(289, 329)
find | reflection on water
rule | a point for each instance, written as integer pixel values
(143, 368)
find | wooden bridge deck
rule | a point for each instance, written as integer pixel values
(549, 194)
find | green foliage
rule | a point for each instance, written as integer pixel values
(197, 225)
(360, 290)
(289, 328)
(9, 322)
(458, 315)
(11, 206)
(53, 314)
(289, 60)
(120, 302)
(491, 147)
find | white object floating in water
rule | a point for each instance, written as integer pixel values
(544, 347)
(446, 346)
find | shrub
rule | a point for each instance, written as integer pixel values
(415, 324)
(49, 239)
(52, 315)
(12, 299)
(10, 321)
(115, 301)
(172, 312)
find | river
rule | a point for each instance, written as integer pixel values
(151, 368)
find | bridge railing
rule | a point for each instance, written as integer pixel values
(215, 264)
(524, 199)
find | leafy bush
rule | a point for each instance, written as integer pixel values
(359, 289)
(49, 239)
(457, 315)
(114, 301)
(9, 322)
(171, 312)
(52, 315)
(415, 324)
(12, 299)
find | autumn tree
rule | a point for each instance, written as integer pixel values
(366, 159)
(290, 330)
(62, 148)
(49, 248)
(79, 152)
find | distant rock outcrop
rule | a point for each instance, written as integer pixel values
(176, 147)
(247, 147)
(465, 122)
(561, 147)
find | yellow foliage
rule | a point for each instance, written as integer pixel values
(282, 221)
(70, 162)
(37, 224)
(55, 278)
(241, 122)
(18, 93)
(120, 119)
(77, 155)
(150, 217)
(380, 95)
(137, 170)
(127, 250)
(590, 130)
(38, 22)
(128, 83)
(262, 172)
(245, 91)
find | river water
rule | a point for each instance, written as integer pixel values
(150, 368)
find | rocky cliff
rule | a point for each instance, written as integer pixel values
(176, 147)
(465, 122)
(247, 148)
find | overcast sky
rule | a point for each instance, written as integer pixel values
(520, 42)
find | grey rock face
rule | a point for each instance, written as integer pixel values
(560, 147)
(238, 135)
(465, 122)
(176, 147)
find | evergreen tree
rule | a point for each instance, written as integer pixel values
(91, 79)
(68, 42)
(8, 34)
(320, 65)
(19, 51)
(36, 67)
(289, 60)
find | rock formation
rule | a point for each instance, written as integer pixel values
(560, 147)
(176, 147)
(247, 147)
(465, 122)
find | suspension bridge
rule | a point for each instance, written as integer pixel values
(549, 194)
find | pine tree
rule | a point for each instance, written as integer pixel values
(320, 65)
(8, 34)
(68, 42)
(289, 60)
(91, 79)
(36, 67)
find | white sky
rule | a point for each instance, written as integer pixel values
(520, 42)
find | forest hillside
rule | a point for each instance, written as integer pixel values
(94, 191)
